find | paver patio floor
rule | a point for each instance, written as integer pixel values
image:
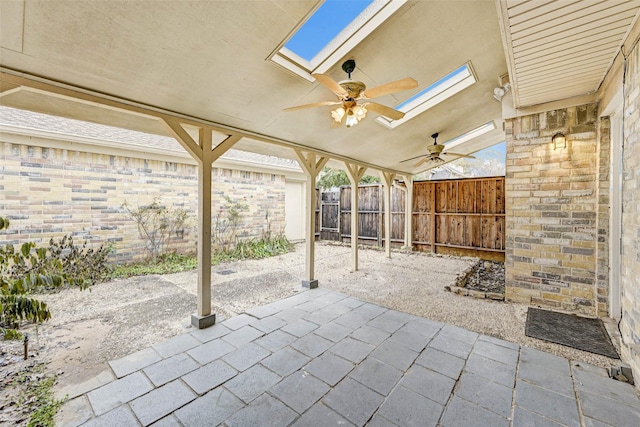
(320, 358)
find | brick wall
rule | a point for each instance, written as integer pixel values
(554, 212)
(50, 192)
(630, 268)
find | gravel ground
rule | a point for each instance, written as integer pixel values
(117, 318)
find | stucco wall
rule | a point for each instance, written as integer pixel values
(49, 192)
(552, 211)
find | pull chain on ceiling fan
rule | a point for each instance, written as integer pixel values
(353, 97)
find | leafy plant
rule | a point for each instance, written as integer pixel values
(158, 225)
(224, 230)
(334, 178)
(30, 269)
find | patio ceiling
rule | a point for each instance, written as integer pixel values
(208, 60)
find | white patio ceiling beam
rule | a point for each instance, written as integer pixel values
(355, 173)
(312, 164)
(40, 85)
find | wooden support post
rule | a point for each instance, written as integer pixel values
(387, 179)
(312, 167)
(204, 152)
(204, 228)
(408, 212)
(432, 218)
(355, 172)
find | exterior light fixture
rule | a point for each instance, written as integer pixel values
(559, 140)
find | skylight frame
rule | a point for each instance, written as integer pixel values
(468, 136)
(439, 91)
(370, 19)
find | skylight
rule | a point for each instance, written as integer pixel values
(330, 33)
(324, 25)
(454, 82)
(468, 136)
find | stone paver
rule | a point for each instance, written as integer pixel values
(252, 383)
(115, 393)
(176, 345)
(377, 375)
(299, 391)
(133, 362)
(210, 351)
(408, 408)
(209, 410)
(286, 361)
(329, 368)
(169, 369)
(321, 416)
(162, 401)
(246, 356)
(209, 376)
(353, 401)
(268, 410)
(320, 358)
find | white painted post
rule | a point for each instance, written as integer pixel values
(355, 173)
(312, 168)
(204, 228)
(387, 179)
(408, 215)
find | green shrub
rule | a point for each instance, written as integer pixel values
(30, 269)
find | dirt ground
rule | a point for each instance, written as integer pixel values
(114, 319)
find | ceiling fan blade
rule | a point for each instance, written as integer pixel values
(315, 104)
(384, 110)
(387, 88)
(413, 158)
(330, 84)
(459, 155)
(423, 161)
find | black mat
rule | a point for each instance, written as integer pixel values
(573, 331)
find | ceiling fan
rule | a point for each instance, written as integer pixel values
(353, 97)
(435, 152)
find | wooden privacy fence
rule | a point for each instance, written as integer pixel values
(464, 216)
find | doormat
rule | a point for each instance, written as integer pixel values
(578, 332)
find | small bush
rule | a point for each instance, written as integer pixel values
(29, 270)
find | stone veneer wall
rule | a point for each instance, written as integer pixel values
(630, 268)
(556, 224)
(48, 192)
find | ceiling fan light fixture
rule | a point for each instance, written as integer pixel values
(351, 120)
(360, 112)
(338, 114)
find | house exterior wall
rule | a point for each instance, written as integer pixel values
(630, 268)
(49, 192)
(556, 253)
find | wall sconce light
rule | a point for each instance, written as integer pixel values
(559, 140)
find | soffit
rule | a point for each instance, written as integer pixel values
(561, 49)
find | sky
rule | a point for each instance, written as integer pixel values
(326, 23)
